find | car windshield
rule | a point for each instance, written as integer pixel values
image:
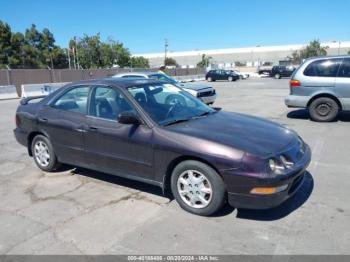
(168, 104)
(164, 77)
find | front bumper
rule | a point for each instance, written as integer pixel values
(296, 101)
(239, 186)
(208, 99)
(251, 201)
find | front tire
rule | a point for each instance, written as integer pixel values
(198, 188)
(277, 76)
(230, 79)
(323, 109)
(209, 79)
(43, 154)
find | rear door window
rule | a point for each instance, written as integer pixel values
(323, 68)
(74, 100)
(344, 70)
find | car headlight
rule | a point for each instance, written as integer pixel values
(279, 165)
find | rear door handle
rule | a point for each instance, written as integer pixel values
(92, 128)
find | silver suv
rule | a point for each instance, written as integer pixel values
(322, 85)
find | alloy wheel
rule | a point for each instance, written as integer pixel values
(41, 153)
(194, 189)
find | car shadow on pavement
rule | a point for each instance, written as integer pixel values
(120, 181)
(304, 115)
(289, 206)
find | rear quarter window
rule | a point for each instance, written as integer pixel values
(323, 68)
(344, 70)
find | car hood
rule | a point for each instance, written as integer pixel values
(246, 133)
(194, 86)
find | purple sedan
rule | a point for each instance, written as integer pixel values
(157, 133)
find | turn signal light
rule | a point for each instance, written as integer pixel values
(268, 190)
(294, 83)
(263, 190)
(17, 120)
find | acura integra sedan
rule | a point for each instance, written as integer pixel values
(125, 127)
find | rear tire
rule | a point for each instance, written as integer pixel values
(43, 154)
(230, 79)
(198, 188)
(323, 109)
(277, 76)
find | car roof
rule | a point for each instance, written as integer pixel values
(119, 82)
(132, 74)
(327, 57)
(136, 74)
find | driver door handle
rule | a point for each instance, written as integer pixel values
(93, 128)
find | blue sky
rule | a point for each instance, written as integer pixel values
(142, 25)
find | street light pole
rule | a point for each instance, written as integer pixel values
(165, 49)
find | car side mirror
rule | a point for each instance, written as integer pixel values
(129, 118)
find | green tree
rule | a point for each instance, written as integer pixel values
(17, 59)
(93, 53)
(121, 55)
(5, 44)
(170, 62)
(139, 62)
(314, 48)
(204, 62)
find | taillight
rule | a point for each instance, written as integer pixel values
(294, 83)
(18, 120)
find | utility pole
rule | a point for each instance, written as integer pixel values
(76, 48)
(165, 49)
(68, 51)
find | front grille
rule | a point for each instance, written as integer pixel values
(206, 93)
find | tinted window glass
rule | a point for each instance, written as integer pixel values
(108, 103)
(75, 100)
(325, 68)
(344, 70)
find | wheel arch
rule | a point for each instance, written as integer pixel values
(178, 160)
(325, 95)
(30, 140)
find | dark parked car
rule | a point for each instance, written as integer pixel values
(219, 74)
(281, 71)
(125, 127)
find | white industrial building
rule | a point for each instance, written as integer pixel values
(250, 56)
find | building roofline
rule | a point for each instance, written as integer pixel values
(256, 49)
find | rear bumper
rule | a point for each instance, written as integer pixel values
(296, 101)
(21, 136)
(208, 99)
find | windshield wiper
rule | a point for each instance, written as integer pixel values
(205, 114)
(175, 121)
